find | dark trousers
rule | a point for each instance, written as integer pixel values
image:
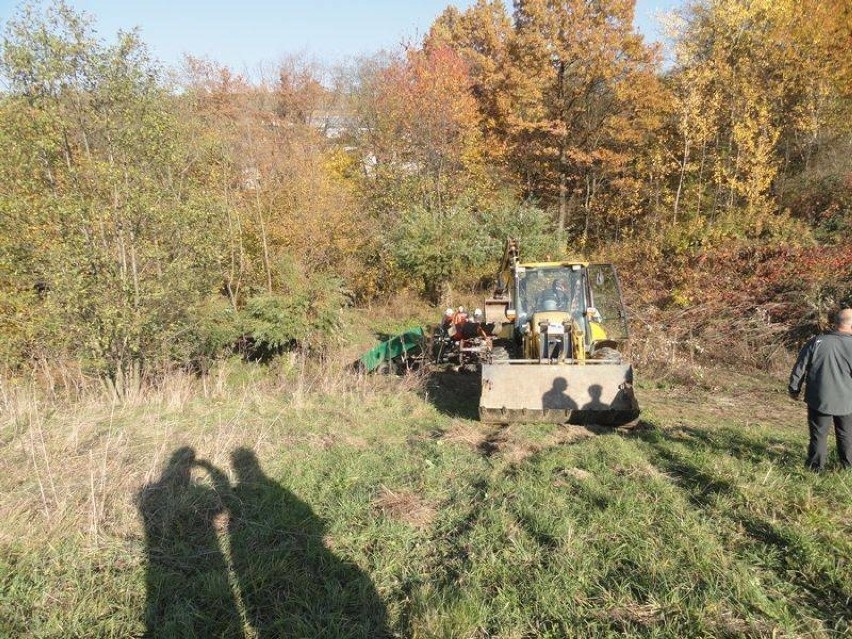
(819, 423)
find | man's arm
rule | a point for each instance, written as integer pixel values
(797, 375)
(219, 479)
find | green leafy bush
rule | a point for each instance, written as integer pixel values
(525, 222)
(303, 313)
(437, 246)
(461, 244)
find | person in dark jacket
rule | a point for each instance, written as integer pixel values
(824, 365)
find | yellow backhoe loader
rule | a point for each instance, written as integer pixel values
(556, 353)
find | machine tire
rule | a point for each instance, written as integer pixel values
(500, 354)
(607, 353)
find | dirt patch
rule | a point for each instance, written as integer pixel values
(635, 613)
(512, 445)
(496, 441)
(640, 469)
(465, 433)
(728, 624)
(574, 434)
(405, 506)
(323, 442)
(515, 453)
(329, 542)
(680, 434)
(575, 473)
(778, 449)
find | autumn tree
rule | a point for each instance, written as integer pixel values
(814, 179)
(420, 147)
(421, 130)
(583, 84)
(481, 35)
(282, 173)
(101, 215)
(756, 96)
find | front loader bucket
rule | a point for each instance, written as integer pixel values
(590, 393)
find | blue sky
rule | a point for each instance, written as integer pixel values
(242, 33)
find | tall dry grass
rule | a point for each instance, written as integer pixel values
(680, 346)
(75, 456)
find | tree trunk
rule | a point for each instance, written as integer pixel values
(701, 177)
(680, 181)
(265, 242)
(563, 198)
(440, 292)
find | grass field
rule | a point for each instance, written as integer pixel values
(298, 504)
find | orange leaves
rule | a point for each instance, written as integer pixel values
(828, 31)
(584, 97)
(426, 103)
(425, 133)
(749, 275)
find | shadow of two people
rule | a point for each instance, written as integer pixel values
(557, 398)
(276, 576)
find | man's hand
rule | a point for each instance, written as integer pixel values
(794, 395)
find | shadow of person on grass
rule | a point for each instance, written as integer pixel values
(292, 585)
(187, 586)
(279, 579)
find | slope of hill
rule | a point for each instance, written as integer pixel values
(323, 504)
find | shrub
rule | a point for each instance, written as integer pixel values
(304, 314)
(461, 243)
